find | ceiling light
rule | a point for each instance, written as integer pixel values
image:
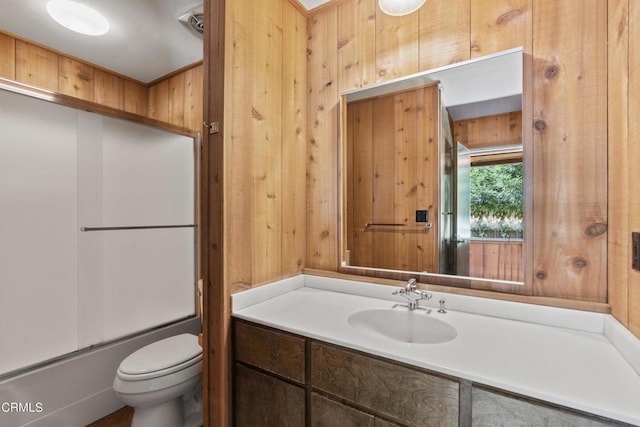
(78, 17)
(400, 7)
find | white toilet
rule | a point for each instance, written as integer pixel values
(162, 382)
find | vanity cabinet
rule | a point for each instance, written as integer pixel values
(281, 379)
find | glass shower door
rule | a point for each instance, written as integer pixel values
(462, 236)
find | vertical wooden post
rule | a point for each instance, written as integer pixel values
(216, 318)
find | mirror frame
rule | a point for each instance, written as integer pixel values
(437, 279)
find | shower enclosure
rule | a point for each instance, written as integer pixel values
(97, 230)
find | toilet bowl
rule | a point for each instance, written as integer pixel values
(162, 382)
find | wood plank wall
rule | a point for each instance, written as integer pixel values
(176, 99)
(265, 145)
(496, 259)
(568, 57)
(624, 158)
(489, 131)
(633, 300)
(570, 142)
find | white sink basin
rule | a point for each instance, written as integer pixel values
(413, 327)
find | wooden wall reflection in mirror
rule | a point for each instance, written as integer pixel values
(432, 177)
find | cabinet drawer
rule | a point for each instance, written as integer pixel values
(492, 409)
(277, 352)
(396, 392)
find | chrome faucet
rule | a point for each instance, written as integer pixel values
(411, 292)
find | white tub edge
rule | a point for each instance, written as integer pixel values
(624, 341)
(78, 390)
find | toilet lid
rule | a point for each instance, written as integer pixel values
(162, 355)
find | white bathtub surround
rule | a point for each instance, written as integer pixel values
(626, 343)
(572, 358)
(78, 390)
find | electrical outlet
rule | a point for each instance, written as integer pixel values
(422, 216)
(635, 255)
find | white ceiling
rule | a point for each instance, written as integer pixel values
(146, 40)
(311, 4)
(479, 87)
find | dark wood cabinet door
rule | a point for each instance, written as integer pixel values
(392, 391)
(495, 410)
(265, 401)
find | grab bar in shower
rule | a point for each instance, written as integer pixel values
(371, 224)
(136, 227)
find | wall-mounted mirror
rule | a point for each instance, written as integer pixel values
(146, 40)
(433, 179)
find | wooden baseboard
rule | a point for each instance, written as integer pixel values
(120, 418)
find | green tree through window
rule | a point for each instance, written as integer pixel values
(497, 201)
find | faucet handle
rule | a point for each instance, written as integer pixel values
(410, 287)
(424, 294)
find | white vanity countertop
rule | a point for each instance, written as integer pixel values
(570, 363)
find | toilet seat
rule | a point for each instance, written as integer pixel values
(162, 382)
(161, 358)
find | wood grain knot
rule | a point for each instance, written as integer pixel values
(540, 274)
(329, 83)
(579, 262)
(596, 229)
(324, 234)
(508, 16)
(540, 125)
(552, 71)
(256, 115)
